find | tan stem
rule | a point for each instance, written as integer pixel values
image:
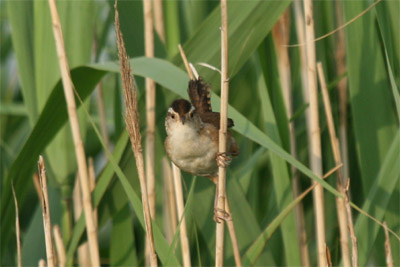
(150, 113)
(354, 253)
(341, 209)
(83, 249)
(219, 248)
(159, 19)
(232, 233)
(76, 134)
(169, 203)
(46, 213)
(62, 259)
(388, 249)
(315, 145)
(181, 207)
(17, 228)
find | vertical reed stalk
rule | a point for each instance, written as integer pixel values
(132, 125)
(159, 19)
(169, 203)
(232, 233)
(76, 134)
(388, 250)
(62, 258)
(17, 228)
(315, 151)
(150, 107)
(219, 248)
(340, 56)
(42, 263)
(83, 249)
(300, 32)
(281, 34)
(150, 114)
(46, 213)
(341, 209)
(351, 225)
(181, 207)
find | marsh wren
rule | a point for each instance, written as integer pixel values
(193, 135)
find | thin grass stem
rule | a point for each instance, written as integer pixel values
(219, 247)
(76, 134)
(46, 213)
(181, 217)
(340, 203)
(17, 228)
(315, 145)
(62, 259)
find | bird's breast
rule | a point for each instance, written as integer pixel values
(192, 151)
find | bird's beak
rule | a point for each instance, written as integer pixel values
(183, 119)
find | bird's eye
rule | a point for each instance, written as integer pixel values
(172, 116)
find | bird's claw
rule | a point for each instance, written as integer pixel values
(221, 215)
(223, 160)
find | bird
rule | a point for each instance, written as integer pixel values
(192, 141)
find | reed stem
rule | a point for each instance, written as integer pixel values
(181, 207)
(76, 134)
(46, 213)
(341, 209)
(219, 248)
(315, 145)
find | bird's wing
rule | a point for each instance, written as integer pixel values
(214, 119)
(200, 95)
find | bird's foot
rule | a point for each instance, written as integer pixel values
(221, 215)
(223, 160)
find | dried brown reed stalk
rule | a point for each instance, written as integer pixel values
(388, 249)
(62, 258)
(159, 19)
(150, 107)
(232, 234)
(46, 213)
(76, 134)
(219, 246)
(340, 203)
(132, 125)
(150, 116)
(42, 263)
(181, 208)
(17, 228)
(354, 253)
(83, 249)
(281, 34)
(340, 57)
(170, 221)
(315, 145)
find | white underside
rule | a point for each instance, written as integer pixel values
(192, 152)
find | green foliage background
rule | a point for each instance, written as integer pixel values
(34, 121)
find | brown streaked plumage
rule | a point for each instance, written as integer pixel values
(200, 96)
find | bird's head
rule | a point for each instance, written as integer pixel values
(182, 113)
